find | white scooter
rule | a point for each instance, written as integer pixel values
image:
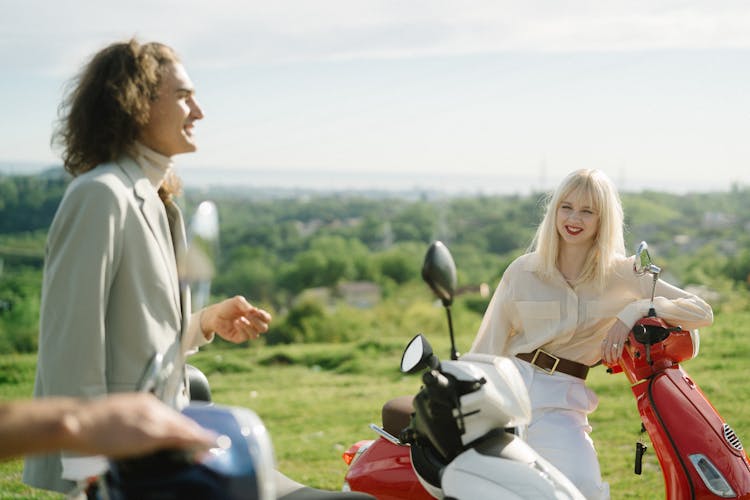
(465, 435)
(466, 431)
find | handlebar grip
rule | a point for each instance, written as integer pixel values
(434, 378)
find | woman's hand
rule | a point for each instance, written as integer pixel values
(614, 342)
(235, 320)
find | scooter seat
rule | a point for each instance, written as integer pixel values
(397, 413)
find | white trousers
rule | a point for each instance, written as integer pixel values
(559, 428)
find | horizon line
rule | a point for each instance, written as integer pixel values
(337, 180)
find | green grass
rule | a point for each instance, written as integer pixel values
(318, 399)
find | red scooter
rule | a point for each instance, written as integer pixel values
(383, 467)
(700, 455)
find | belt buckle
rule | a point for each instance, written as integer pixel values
(554, 366)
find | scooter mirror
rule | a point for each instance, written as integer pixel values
(417, 353)
(196, 268)
(642, 258)
(643, 263)
(151, 376)
(439, 272)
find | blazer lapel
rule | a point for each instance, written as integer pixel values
(177, 230)
(155, 215)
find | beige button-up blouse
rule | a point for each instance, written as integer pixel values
(527, 312)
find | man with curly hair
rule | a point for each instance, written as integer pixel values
(111, 297)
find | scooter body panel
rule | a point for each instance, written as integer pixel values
(472, 475)
(682, 423)
(384, 470)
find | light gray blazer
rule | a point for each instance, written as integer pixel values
(110, 293)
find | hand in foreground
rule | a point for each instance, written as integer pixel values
(235, 320)
(118, 425)
(131, 424)
(614, 342)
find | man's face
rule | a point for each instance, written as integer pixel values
(169, 130)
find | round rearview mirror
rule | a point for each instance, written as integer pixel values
(205, 221)
(196, 266)
(417, 352)
(439, 272)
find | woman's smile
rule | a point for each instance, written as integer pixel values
(577, 221)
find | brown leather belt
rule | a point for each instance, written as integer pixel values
(551, 363)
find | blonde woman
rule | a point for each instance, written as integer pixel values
(567, 304)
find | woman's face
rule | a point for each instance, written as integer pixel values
(169, 130)
(577, 221)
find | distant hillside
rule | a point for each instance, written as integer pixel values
(275, 247)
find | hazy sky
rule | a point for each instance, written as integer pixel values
(494, 89)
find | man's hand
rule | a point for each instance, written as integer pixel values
(119, 425)
(235, 320)
(122, 425)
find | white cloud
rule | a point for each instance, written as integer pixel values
(226, 32)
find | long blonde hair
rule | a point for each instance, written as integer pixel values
(600, 193)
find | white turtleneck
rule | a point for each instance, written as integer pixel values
(155, 165)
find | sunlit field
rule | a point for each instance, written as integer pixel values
(317, 399)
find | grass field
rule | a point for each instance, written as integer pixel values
(317, 399)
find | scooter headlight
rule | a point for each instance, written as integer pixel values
(242, 466)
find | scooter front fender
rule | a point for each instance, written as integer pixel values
(384, 470)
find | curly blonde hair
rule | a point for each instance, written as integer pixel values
(108, 103)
